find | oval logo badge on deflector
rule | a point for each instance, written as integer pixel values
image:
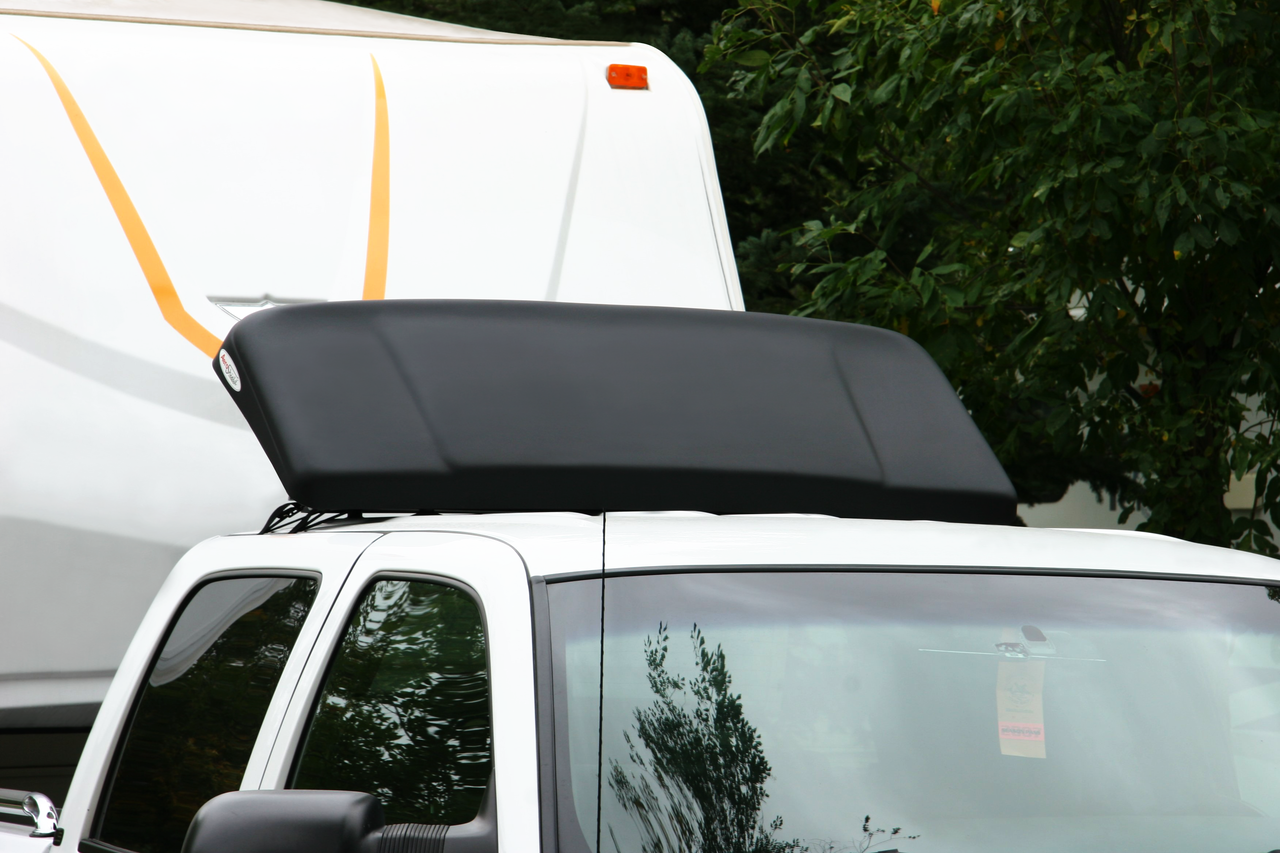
(229, 371)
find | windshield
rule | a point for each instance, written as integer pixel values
(772, 712)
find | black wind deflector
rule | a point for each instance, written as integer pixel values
(480, 405)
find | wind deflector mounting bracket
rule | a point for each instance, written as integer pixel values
(421, 405)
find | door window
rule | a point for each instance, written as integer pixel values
(200, 709)
(404, 710)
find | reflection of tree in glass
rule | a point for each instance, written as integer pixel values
(708, 764)
(191, 737)
(405, 710)
(867, 842)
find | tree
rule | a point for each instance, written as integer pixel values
(1074, 206)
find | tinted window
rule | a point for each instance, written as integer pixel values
(773, 713)
(200, 708)
(404, 710)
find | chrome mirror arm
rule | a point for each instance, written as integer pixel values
(44, 813)
(36, 807)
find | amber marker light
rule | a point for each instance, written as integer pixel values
(628, 76)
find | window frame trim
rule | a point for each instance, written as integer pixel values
(544, 713)
(881, 568)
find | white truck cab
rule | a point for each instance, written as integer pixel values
(404, 660)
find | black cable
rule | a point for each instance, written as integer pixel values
(283, 515)
(303, 518)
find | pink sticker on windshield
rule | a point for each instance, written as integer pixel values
(1018, 731)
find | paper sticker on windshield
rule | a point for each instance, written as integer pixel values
(1020, 707)
(229, 371)
(1021, 731)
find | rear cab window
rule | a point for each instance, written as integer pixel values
(197, 716)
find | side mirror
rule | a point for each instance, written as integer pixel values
(327, 822)
(284, 821)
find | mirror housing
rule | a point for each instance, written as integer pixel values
(297, 821)
(284, 821)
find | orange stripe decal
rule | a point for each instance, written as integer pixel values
(375, 264)
(139, 240)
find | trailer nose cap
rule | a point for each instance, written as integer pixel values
(628, 76)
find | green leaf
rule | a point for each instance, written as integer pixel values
(1020, 239)
(1179, 192)
(1201, 235)
(1228, 232)
(1162, 210)
(1057, 419)
(1191, 126)
(1184, 243)
(753, 58)
(886, 89)
(825, 115)
(841, 92)
(804, 80)
(1069, 121)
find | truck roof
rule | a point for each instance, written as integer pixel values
(565, 544)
